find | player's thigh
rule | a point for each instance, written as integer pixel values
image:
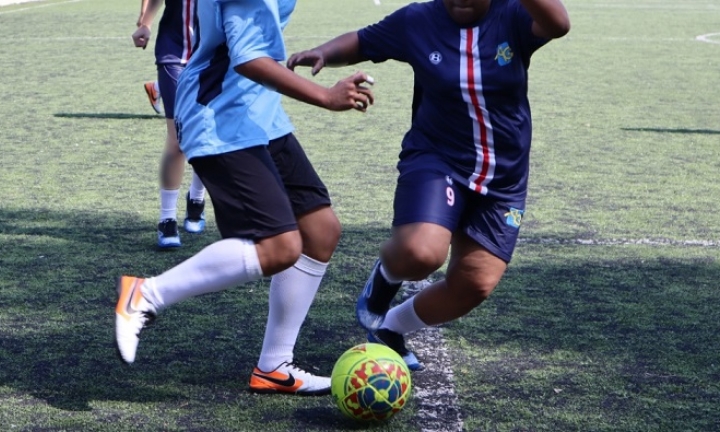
(305, 190)
(427, 210)
(247, 193)
(168, 75)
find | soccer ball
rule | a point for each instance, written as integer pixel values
(370, 382)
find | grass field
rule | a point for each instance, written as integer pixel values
(606, 321)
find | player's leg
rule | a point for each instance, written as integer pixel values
(427, 209)
(481, 249)
(172, 169)
(292, 291)
(260, 237)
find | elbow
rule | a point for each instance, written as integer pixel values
(558, 30)
(563, 28)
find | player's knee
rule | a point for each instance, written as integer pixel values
(478, 288)
(416, 261)
(280, 252)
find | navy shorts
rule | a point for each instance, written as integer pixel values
(168, 75)
(425, 194)
(258, 192)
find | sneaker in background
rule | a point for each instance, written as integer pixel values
(168, 235)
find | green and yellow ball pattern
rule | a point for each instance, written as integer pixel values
(370, 382)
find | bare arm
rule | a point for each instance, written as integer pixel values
(342, 51)
(550, 18)
(346, 94)
(143, 6)
(150, 8)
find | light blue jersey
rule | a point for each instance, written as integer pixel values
(218, 110)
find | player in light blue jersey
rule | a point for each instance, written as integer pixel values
(464, 162)
(272, 210)
(173, 47)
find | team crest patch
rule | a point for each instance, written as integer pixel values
(514, 217)
(504, 54)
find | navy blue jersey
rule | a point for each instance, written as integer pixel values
(173, 44)
(473, 112)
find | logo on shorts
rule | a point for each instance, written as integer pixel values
(514, 217)
(504, 54)
(449, 180)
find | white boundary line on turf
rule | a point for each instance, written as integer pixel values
(434, 394)
(44, 5)
(622, 242)
(713, 38)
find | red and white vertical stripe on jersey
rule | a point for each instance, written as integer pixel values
(472, 92)
(188, 29)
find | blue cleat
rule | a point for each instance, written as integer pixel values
(168, 236)
(194, 215)
(396, 341)
(370, 320)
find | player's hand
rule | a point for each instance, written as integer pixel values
(313, 58)
(141, 36)
(349, 93)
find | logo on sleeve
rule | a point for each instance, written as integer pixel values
(514, 217)
(504, 54)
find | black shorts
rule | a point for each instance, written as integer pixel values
(258, 192)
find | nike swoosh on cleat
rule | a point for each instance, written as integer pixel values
(288, 382)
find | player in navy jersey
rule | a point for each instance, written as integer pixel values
(272, 210)
(173, 47)
(464, 163)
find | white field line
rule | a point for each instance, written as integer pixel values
(434, 388)
(622, 242)
(30, 7)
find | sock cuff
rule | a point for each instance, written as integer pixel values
(252, 261)
(310, 266)
(388, 277)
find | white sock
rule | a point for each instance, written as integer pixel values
(224, 264)
(197, 189)
(157, 88)
(291, 293)
(403, 319)
(168, 203)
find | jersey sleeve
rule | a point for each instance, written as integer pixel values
(385, 40)
(252, 29)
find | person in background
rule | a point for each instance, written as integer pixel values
(173, 48)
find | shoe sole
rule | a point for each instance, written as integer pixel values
(118, 290)
(194, 231)
(323, 392)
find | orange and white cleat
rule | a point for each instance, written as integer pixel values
(153, 94)
(132, 314)
(289, 378)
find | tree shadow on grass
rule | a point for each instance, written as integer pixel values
(630, 328)
(675, 131)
